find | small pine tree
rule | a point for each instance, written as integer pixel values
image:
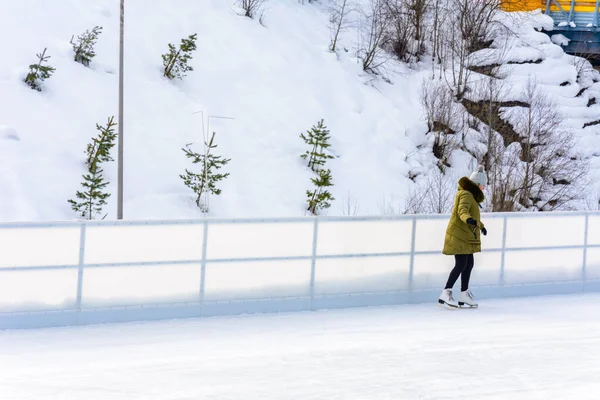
(317, 138)
(84, 48)
(176, 61)
(92, 198)
(319, 198)
(38, 72)
(205, 182)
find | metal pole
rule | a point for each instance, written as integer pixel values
(585, 248)
(80, 269)
(203, 267)
(411, 270)
(571, 11)
(120, 157)
(503, 256)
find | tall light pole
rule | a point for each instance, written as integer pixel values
(120, 133)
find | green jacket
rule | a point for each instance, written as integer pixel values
(462, 238)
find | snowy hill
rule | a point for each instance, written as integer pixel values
(275, 80)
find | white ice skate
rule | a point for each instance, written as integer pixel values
(467, 300)
(447, 300)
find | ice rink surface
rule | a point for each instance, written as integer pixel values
(528, 348)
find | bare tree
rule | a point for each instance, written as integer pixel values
(349, 206)
(433, 196)
(251, 7)
(407, 33)
(501, 163)
(466, 29)
(552, 172)
(503, 174)
(436, 35)
(445, 118)
(475, 20)
(374, 35)
(338, 14)
(389, 207)
(541, 170)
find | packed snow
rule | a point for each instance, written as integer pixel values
(530, 348)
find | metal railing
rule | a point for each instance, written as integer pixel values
(68, 273)
(566, 12)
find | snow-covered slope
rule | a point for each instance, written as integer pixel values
(570, 82)
(276, 81)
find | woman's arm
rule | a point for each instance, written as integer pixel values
(464, 204)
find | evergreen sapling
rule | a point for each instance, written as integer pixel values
(176, 60)
(318, 140)
(93, 198)
(84, 48)
(38, 72)
(319, 198)
(205, 182)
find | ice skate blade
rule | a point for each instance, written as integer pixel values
(443, 304)
(463, 305)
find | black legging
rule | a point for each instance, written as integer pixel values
(463, 267)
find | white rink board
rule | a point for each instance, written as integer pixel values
(545, 232)
(37, 290)
(362, 274)
(364, 237)
(593, 264)
(259, 240)
(256, 280)
(22, 247)
(594, 229)
(543, 266)
(164, 269)
(125, 244)
(141, 284)
(430, 234)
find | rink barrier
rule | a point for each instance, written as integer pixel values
(387, 287)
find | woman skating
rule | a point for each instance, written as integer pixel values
(463, 237)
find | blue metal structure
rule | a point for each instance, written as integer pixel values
(578, 21)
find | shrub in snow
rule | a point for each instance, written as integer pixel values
(251, 7)
(407, 31)
(176, 60)
(374, 27)
(39, 72)
(442, 114)
(349, 206)
(91, 200)
(317, 138)
(205, 182)
(537, 168)
(338, 14)
(434, 195)
(84, 47)
(549, 173)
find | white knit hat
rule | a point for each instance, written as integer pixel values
(478, 177)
